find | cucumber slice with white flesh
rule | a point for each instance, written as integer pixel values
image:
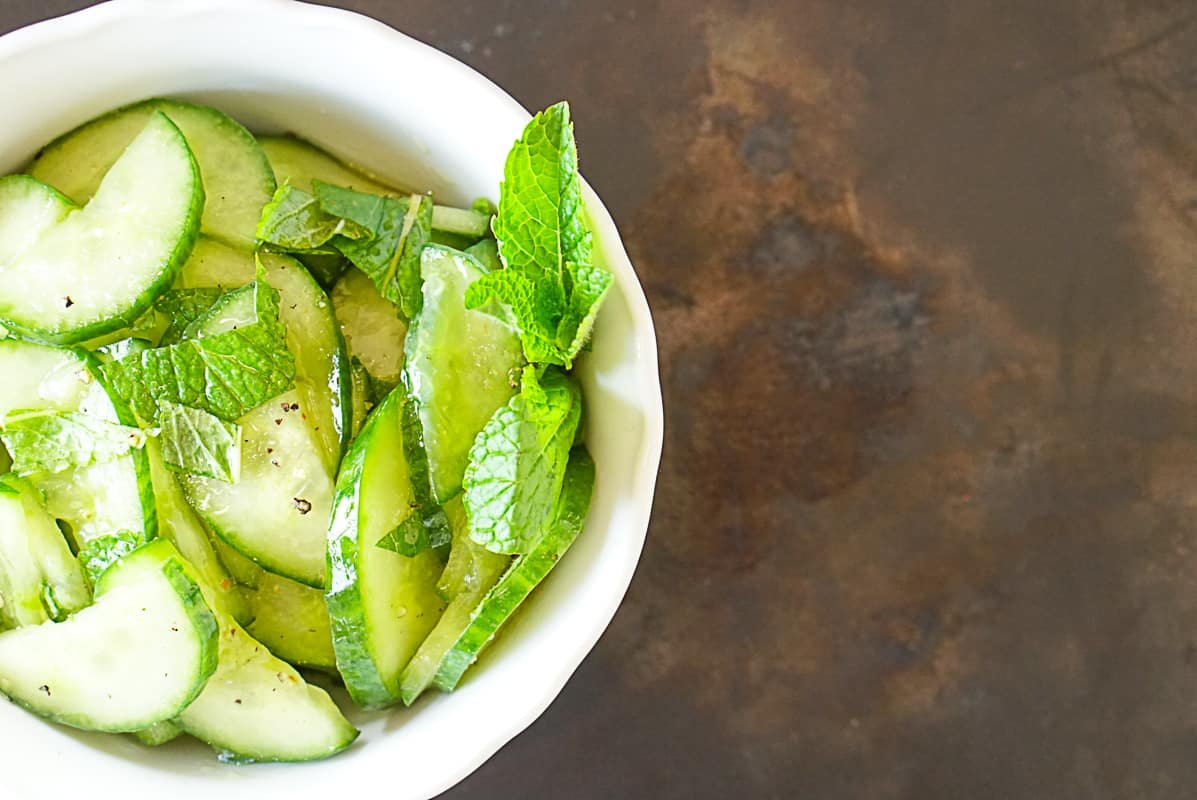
(470, 573)
(236, 175)
(244, 571)
(256, 707)
(98, 268)
(313, 336)
(382, 604)
(178, 523)
(277, 513)
(292, 620)
(103, 499)
(524, 575)
(139, 656)
(374, 333)
(40, 580)
(462, 365)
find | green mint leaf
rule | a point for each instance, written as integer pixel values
(590, 287)
(181, 308)
(53, 441)
(237, 361)
(294, 220)
(197, 443)
(398, 229)
(540, 224)
(97, 555)
(418, 533)
(535, 305)
(517, 463)
(549, 283)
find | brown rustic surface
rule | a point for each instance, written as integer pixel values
(925, 278)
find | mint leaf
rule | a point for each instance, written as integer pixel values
(55, 441)
(397, 228)
(540, 224)
(518, 462)
(590, 287)
(197, 443)
(238, 360)
(294, 220)
(98, 554)
(416, 534)
(549, 282)
(182, 307)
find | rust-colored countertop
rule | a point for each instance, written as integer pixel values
(925, 278)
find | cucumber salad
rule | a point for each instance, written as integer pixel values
(270, 424)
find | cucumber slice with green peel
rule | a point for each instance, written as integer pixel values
(99, 268)
(236, 175)
(313, 336)
(257, 708)
(469, 575)
(40, 580)
(139, 656)
(462, 365)
(524, 575)
(292, 620)
(382, 604)
(277, 513)
(361, 396)
(374, 333)
(99, 500)
(178, 524)
(298, 162)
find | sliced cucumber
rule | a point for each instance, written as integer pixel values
(177, 523)
(469, 575)
(374, 333)
(382, 604)
(236, 175)
(461, 366)
(298, 162)
(258, 708)
(40, 580)
(99, 268)
(99, 500)
(139, 656)
(525, 574)
(313, 335)
(277, 514)
(292, 620)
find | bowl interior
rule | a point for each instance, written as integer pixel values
(411, 115)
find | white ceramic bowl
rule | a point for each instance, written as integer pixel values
(414, 115)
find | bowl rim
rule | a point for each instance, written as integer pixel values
(57, 30)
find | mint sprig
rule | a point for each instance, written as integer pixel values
(550, 282)
(195, 442)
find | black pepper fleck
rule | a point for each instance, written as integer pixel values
(301, 505)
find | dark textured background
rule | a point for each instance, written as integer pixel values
(925, 278)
